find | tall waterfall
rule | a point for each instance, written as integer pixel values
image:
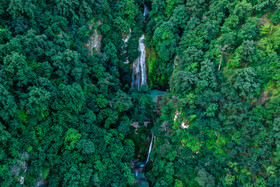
(139, 73)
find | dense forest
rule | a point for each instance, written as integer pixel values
(67, 104)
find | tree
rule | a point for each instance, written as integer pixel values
(245, 82)
(8, 105)
(71, 138)
(86, 146)
(204, 179)
(182, 82)
(122, 102)
(166, 37)
(16, 70)
(180, 16)
(71, 98)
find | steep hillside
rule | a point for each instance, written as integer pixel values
(220, 122)
(78, 79)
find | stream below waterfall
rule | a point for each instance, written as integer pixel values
(139, 78)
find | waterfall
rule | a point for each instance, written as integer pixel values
(146, 11)
(139, 74)
(143, 60)
(150, 148)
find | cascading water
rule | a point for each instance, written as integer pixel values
(146, 11)
(139, 74)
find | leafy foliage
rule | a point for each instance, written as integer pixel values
(218, 123)
(66, 109)
(57, 101)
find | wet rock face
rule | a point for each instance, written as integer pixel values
(15, 170)
(94, 43)
(21, 165)
(125, 39)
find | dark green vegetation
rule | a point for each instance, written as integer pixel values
(64, 114)
(66, 109)
(224, 89)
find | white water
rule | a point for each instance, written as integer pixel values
(139, 75)
(146, 11)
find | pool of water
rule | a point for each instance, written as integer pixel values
(156, 93)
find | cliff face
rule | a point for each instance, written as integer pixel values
(94, 43)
